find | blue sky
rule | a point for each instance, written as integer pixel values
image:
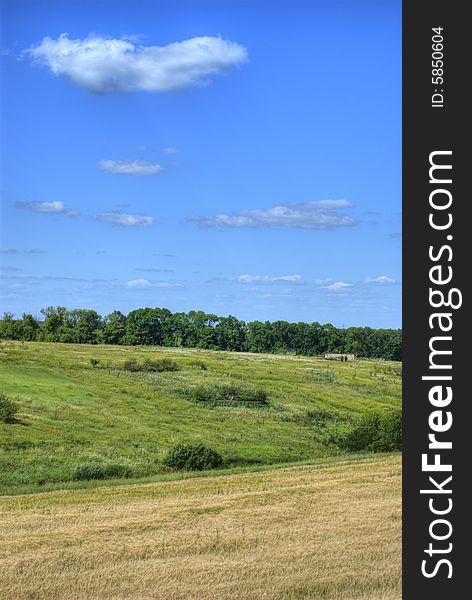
(235, 157)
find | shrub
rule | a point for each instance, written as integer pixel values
(151, 366)
(91, 470)
(187, 457)
(95, 470)
(376, 432)
(94, 362)
(199, 364)
(117, 470)
(8, 409)
(227, 393)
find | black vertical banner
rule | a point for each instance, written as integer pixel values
(436, 322)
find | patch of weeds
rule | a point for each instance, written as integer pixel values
(18, 445)
(227, 394)
(151, 366)
(199, 364)
(96, 470)
(323, 375)
(316, 416)
(87, 471)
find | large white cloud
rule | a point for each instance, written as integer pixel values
(139, 168)
(56, 208)
(104, 65)
(317, 214)
(125, 220)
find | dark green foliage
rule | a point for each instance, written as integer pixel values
(227, 393)
(91, 470)
(8, 409)
(376, 432)
(197, 329)
(94, 362)
(96, 470)
(199, 364)
(151, 366)
(187, 457)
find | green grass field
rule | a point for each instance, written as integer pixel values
(72, 412)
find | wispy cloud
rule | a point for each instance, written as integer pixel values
(269, 278)
(34, 251)
(337, 285)
(8, 251)
(169, 150)
(281, 295)
(146, 284)
(125, 220)
(318, 214)
(138, 168)
(47, 208)
(382, 280)
(106, 65)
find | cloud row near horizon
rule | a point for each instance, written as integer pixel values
(316, 214)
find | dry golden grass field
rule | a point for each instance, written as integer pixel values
(308, 532)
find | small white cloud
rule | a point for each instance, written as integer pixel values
(125, 220)
(338, 285)
(56, 208)
(286, 295)
(318, 214)
(146, 284)
(105, 65)
(169, 150)
(139, 168)
(268, 278)
(382, 280)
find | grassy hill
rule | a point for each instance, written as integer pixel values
(331, 532)
(80, 405)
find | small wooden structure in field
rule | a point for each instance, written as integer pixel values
(342, 357)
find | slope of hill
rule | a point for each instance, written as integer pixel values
(81, 404)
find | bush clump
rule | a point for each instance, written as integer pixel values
(376, 432)
(199, 364)
(95, 470)
(8, 409)
(227, 393)
(151, 366)
(85, 471)
(188, 457)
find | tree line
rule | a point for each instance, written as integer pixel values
(197, 329)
